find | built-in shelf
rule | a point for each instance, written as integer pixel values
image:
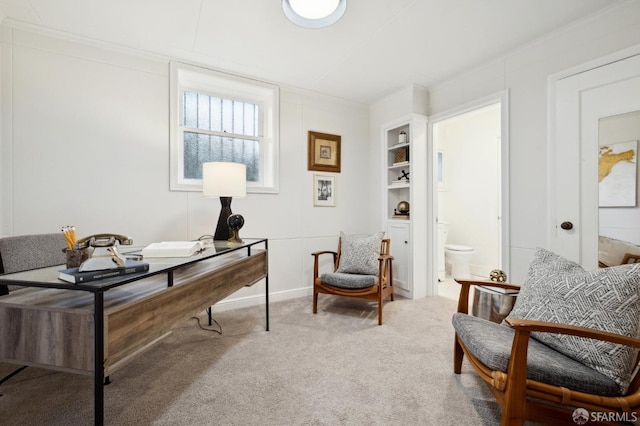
(399, 139)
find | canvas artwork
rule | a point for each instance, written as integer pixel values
(617, 174)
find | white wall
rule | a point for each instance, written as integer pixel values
(85, 142)
(70, 108)
(524, 72)
(622, 223)
(469, 197)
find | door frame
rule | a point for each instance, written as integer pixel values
(575, 244)
(501, 97)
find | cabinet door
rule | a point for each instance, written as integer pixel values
(398, 233)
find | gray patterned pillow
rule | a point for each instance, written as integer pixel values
(560, 291)
(359, 253)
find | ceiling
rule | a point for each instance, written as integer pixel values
(378, 47)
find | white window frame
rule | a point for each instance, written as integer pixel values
(191, 78)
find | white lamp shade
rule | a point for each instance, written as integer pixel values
(221, 179)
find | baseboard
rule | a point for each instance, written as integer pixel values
(480, 270)
(244, 302)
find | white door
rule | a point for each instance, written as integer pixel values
(582, 97)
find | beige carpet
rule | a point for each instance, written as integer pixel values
(334, 368)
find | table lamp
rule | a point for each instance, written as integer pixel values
(224, 180)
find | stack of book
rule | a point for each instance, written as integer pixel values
(74, 276)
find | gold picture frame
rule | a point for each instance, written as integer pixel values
(324, 152)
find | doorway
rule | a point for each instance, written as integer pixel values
(469, 189)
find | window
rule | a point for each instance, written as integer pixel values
(222, 117)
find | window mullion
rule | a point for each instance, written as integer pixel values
(221, 134)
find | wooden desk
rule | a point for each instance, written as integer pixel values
(51, 323)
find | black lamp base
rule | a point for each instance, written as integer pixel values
(222, 230)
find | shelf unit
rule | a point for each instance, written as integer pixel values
(404, 144)
(398, 169)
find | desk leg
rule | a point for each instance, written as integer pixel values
(266, 281)
(266, 284)
(98, 366)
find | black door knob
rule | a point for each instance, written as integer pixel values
(566, 225)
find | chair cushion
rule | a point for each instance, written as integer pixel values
(359, 253)
(26, 252)
(348, 281)
(491, 344)
(560, 291)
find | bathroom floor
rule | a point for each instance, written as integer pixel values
(451, 289)
(448, 288)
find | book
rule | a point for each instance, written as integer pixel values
(172, 249)
(74, 276)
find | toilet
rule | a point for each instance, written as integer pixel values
(457, 257)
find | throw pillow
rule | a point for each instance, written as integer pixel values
(359, 253)
(546, 266)
(560, 291)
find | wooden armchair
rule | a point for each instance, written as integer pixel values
(377, 286)
(531, 380)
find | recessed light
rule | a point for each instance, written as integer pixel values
(314, 13)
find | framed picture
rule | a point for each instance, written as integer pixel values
(324, 152)
(324, 191)
(618, 174)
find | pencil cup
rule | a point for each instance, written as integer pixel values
(77, 256)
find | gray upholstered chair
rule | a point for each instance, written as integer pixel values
(25, 252)
(362, 268)
(568, 348)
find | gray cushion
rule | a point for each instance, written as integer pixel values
(32, 251)
(607, 299)
(359, 253)
(348, 281)
(26, 252)
(491, 344)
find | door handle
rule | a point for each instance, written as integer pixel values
(566, 226)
